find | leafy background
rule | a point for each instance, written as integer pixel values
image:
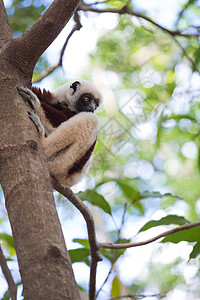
(145, 173)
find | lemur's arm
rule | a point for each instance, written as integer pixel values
(33, 100)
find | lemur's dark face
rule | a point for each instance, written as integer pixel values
(85, 97)
(87, 102)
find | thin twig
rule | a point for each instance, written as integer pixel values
(186, 54)
(123, 220)
(115, 252)
(183, 10)
(94, 247)
(123, 10)
(126, 10)
(50, 69)
(105, 280)
(10, 281)
(166, 233)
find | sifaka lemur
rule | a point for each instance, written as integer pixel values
(67, 127)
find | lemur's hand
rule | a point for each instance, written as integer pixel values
(27, 95)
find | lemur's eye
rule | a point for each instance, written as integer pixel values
(87, 99)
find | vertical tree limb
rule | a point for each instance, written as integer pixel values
(44, 263)
(94, 246)
(10, 281)
(5, 30)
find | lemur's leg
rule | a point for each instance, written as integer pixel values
(37, 122)
(68, 149)
(79, 129)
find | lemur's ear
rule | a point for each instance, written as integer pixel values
(74, 86)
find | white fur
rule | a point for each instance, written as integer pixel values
(80, 132)
(65, 94)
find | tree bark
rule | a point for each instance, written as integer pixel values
(5, 30)
(43, 259)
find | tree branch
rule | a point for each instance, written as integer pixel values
(126, 10)
(5, 30)
(186, 54)
(114, 252)
(11, 284)
(51, 69)
(45, 29)
(94, 246)
(166, 233)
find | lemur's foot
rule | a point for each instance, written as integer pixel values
(27, 94)
(37, 122)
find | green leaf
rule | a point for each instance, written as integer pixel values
(81, 289)
(196, 250)
(188, 235)
(83, 242)
(132, 194)
(95, 199)
(116, 287)
(59, 197)
(129, 191)
(170, 219)
(8, 242)
(79, 255)
(147, 194)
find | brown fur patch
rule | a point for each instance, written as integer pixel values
(55, 112)
(55, 117)
(78, 165)
(44, 95)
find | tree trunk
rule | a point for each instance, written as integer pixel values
(43, 259)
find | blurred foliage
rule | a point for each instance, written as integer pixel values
(146, 165)
(22, 14)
